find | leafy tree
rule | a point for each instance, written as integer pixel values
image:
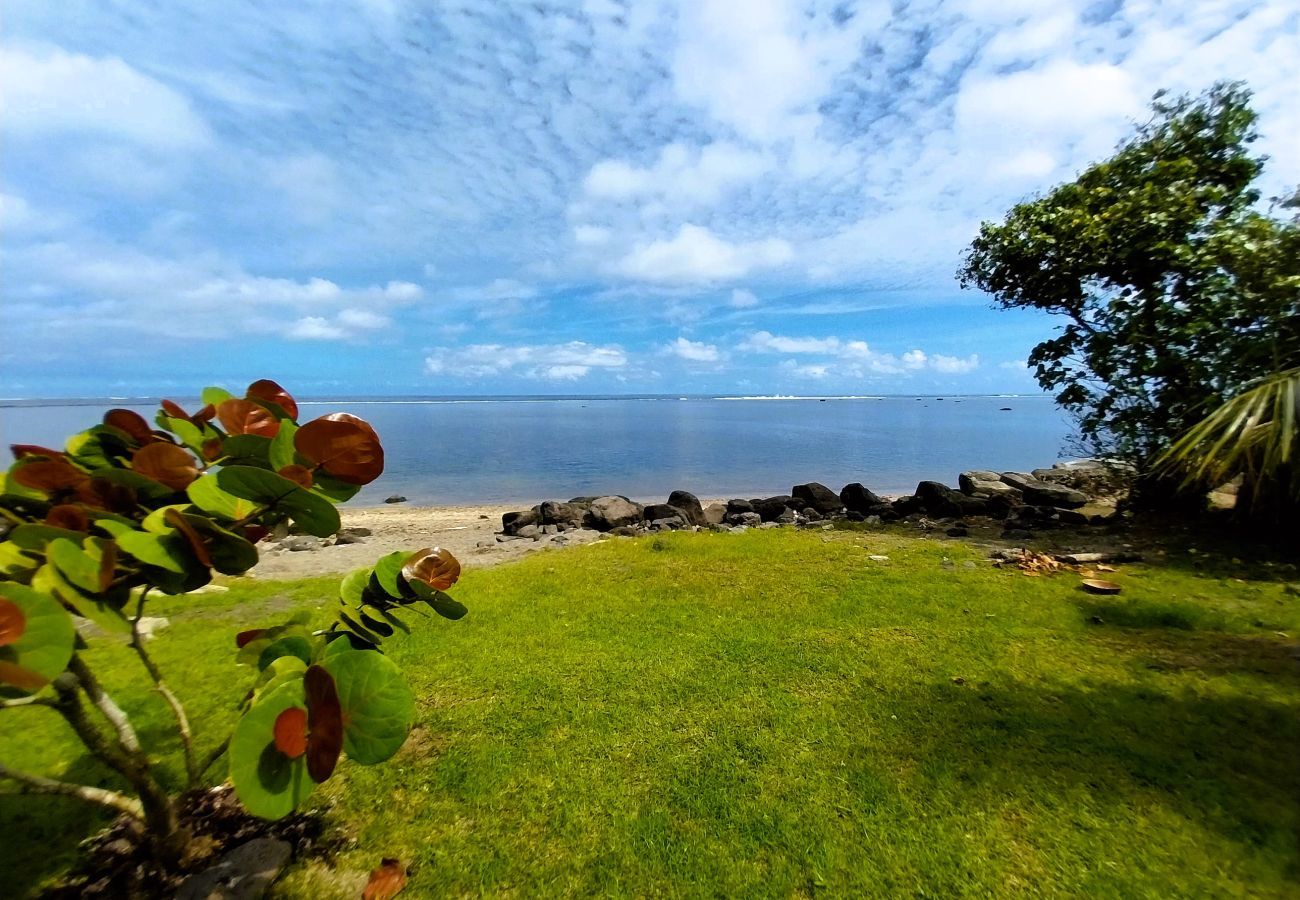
(1176, 288)
(128, 509)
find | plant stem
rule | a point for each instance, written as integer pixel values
(178, 711)
(210, 760)
(105, 704)
(35, 784)
(26, 701)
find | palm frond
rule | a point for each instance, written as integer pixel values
(1256, 434)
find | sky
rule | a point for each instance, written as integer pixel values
(388, 197)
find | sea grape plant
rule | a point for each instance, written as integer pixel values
(127, 509)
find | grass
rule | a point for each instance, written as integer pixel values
(772, 714)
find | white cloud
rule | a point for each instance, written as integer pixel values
(954, 365)
(315, 328)
(695, 254)
(550, 361)
(363, 318)
(590, 235)
(681, 175)
(48, 90)
(1061, 95)
(851, 358)
(742, 299)
(694, 351)
(766, 342)
(805, 370)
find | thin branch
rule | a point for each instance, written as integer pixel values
(178, 711)
(33, 700)
(211, 759)
(35, 784)
(105, 704)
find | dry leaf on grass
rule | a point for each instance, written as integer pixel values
(385, 882)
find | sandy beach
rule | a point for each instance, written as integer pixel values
(470, 532)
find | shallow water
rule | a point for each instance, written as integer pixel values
(530, 449)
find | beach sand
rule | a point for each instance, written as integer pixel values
(460, 529)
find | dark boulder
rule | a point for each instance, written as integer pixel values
(817, 496)
(770, 508)
(511, 522)
(1040, 492)
(736, 507)
(554, 512)
(938, 499)
(654, 511)
(689, 504)
(856, 497)
(584, 502)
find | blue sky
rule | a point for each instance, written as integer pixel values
(392, 196)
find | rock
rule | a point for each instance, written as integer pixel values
(817, 496)
(986, 484)
(736, 507)
(485, 545)
(872, 520)
(857, 498)
(690, 505)
(906, 506)
(787, 516)
(876, 557)
(938, 499)
(511, 522)
(584, 502)
(668, 524)
(1072, 517)
(608, 513)
(396, 498)
(740, 529)
(245, 873)
(772, 507)
(750, 519)
(625, 531)
(958, 531)
(550, 529)
(1016, 534)
(810, 514)
(344, 538)
(1041, 492)
(715, 514)
(767, 525)
(359, 530)
(553, 512)
(652, 511)
(529, 531)
(301, 542)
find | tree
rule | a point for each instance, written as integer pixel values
(127, 510)
(1176, 289)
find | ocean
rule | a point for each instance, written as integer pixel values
(528, 449)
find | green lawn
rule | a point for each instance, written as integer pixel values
(772, 714)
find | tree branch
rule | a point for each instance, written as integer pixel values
(33, 700)
(104, 703)
(178, 711)
(35, 784)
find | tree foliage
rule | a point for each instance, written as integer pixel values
(1176, 288)
(129, 507)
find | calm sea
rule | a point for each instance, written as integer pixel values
(528, 449)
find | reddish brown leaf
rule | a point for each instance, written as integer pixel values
(246, 417)
(21, 450)
(69, 516)
(344, 446)
(385, 882)
(434, 566)
(324, 723)
(291, 732)
(268, 390)
(212, 449)
(53, 476)
(174, 518)
(13, 622)
(297, 474)
(109, 495)
(166, 463)
(245, 637)
(206, 414)
(174, 410)
(107, 566)
(20, 677)
(254, 533)
(132, 423)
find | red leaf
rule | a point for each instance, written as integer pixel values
(53, 476)
(212, 449)
(174, 518)
(297, 474)
(21, 450)
(291, 732)
(435, 567)
(20, 677)
(385, 882)
(107, 566)
(206, 414)
(174, 410)
(132, 423)
(254, 533)
(268, 390)
(69, 516)
(166, 463)
(13, 622)
(346, 447)
(109, 495)
(246, 417)
(245, 637)
(324, 724)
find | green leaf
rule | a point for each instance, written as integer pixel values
(378, 706)
(215, 396)
(80, 566)
(208, 496)
(332, 489)
(247, 450)
(34, 536)
(165, 551)
(269, 784)
(388, 574)
(13, 560)
(46, 644)
(282, 452)
(230, 553)
(311, 513)
(190, 434)
(296, 645)
(104, 611)
(101, 447)
(145, 488)
(352, 588)
(281, 671)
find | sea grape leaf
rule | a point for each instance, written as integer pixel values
(433, 567)
(166, 464)
(247, 450)
(104, 610)
(353, 586)
(215, 396)
(377, 704)
(165, 551)
(282, 452)
(246, 417)
(228, 553)
(99, 447)
(289, 645)
(324, 723)
(34, 536)
(313, 514)
(275, 397)
(44, 645)
(132, 424)
(344, 446)
(291, 734)
(388, 574)
(269, 784)
(145, 487)
(208, 496)
(191, 435)
(13, 560)
(88, 567)
(280, 671)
